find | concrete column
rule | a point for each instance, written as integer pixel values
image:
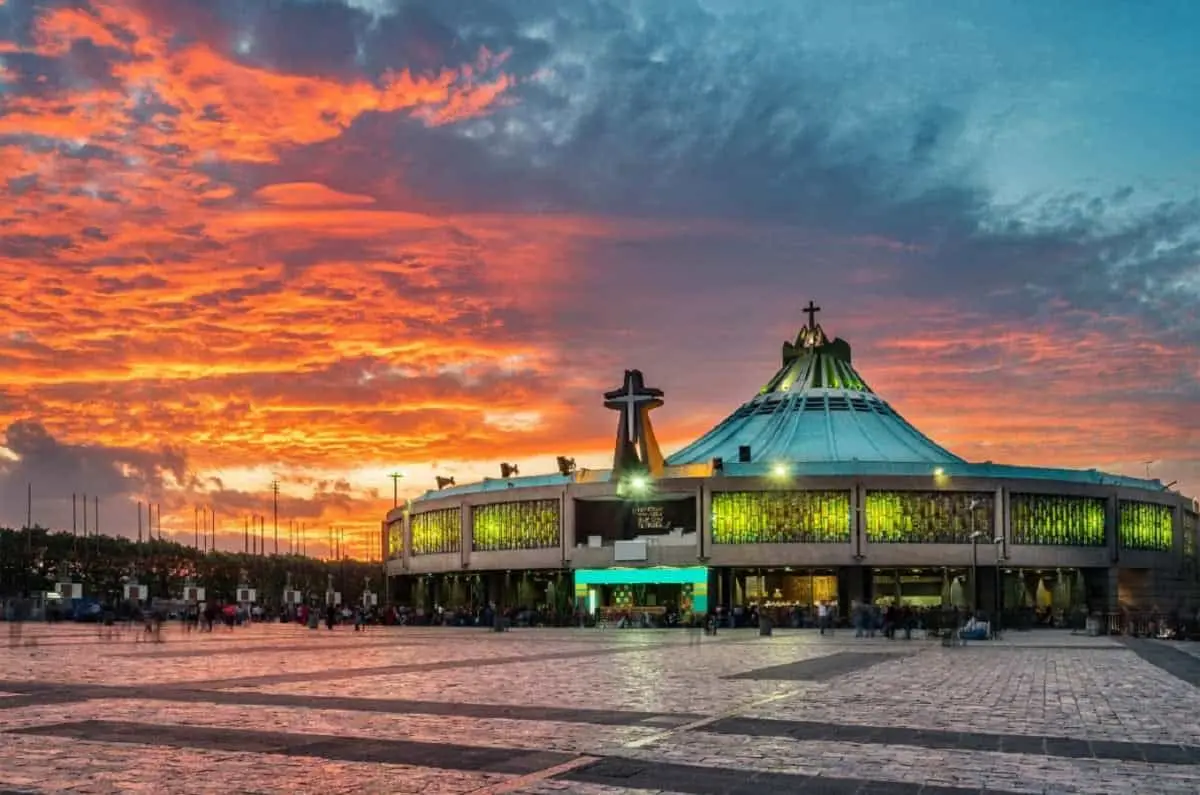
(1000, 526)
(704, 522)
(1112, 590)
(1177, 532)
(406, 537)
(467, 518)
(860, 520)
(567, 524)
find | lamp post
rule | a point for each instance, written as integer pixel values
(998, 541)
(975, 536)
(395, 476)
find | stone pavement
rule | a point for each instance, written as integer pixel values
(283, 709)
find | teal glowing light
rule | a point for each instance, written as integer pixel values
(695, 576)
(665, 575)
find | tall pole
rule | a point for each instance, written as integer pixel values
(196, 527)
(275, 511)
(139, 510)
(999, 588)
(96, 520)
(29, 508)
(395, 476)
(212, 518)
(85, 533)
(974, 574)
(74, 528)
(246, 541)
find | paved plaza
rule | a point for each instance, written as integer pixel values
(284, 709)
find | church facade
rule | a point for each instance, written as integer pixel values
(813, 490)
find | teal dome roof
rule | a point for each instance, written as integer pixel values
(816, 408)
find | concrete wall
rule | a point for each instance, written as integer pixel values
(858, 551)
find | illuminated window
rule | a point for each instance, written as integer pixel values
(1191, 523)
(780, 517)
(437, 532)
(531, 524)
(1056, 520)
(929, 517)
(1145, 525)
(395, 538)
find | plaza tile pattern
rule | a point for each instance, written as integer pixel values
(283, 709)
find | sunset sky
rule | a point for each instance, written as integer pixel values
(320, 241)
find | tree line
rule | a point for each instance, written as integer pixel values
(34, 560)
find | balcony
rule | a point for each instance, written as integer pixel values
(677, 548)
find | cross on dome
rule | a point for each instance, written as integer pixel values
(811, 310)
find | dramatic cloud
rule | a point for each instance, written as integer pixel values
(316, 241)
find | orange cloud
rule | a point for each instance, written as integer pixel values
(304, 331)
(312, 194)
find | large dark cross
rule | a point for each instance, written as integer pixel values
(811, 310)
(629, 399)
(632, 399)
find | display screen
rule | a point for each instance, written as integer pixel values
(619, 520)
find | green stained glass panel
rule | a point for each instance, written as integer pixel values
(1145, 525)
(395, 538)
(530, 524)
(1057, 520)
(929, 517)
(437, 532)
(780, 517)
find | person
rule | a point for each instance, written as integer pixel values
(13, 613)
(823, 616)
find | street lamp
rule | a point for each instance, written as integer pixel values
(998, 541)
(975, 571)
(396, 476)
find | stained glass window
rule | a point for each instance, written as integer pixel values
(1190, 525)
(780, 517)
(1057, 520)
(1144, 525)
(437, 532)
(395, 538)
(929, 517)
(530, 524)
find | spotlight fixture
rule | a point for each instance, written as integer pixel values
(444, 482)
(565, 465)
(938, 472)
(780, 470)
(638, 483)
(508, 470)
